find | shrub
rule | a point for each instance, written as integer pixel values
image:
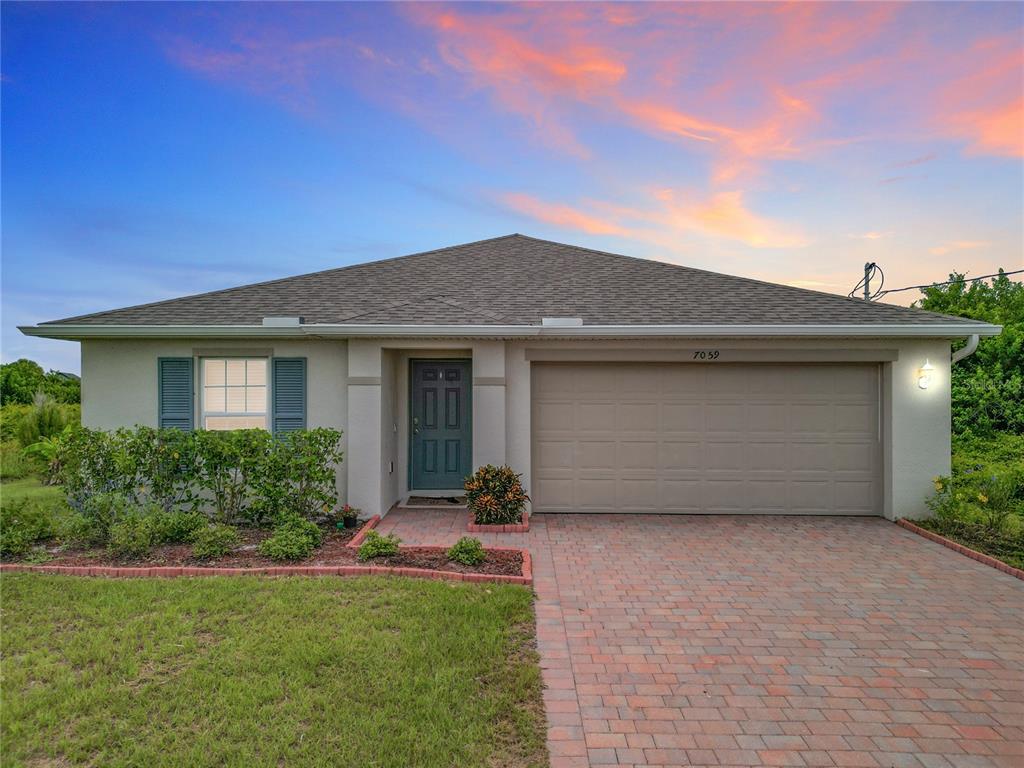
(240, 475)
(165, 463)
(297, 477)
(91, 464)
(106, 509)
(293, 539)
(22, 524)
(10, 417)
(495, 495)
(229, 461)
(178, 526)
(79, 530)
(375, 545)
(214, 540)
(133, 535)
(43, 419)
(468, 551)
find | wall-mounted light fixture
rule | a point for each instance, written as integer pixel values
(924, 375)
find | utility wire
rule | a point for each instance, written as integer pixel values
(930, 285)
(870, 271)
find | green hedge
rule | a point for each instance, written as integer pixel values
(246, 476)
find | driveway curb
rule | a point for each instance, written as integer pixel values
(999, 565)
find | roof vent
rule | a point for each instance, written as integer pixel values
(562, 322)
(282, 322)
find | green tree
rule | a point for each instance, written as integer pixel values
(62, 387)
(988, 386)
(19, 381)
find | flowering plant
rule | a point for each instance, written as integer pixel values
(349, 515)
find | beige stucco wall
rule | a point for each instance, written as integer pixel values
(915, 429)
(119, 379)
(361, 387)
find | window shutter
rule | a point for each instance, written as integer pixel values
(288, 398)
(176, 404)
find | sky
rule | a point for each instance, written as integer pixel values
(154, 150)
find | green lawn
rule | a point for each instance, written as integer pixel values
(252, 671)
(30, 488)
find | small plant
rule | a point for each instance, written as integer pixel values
(106, 509)
(468, 551)
(293, 539)
(79, 530)
(177, 527)
(22, 524)
(213, 541)
(133, 535)
(349, 517)
(495, 495)
(46, 451)
(994, 496)
(375, 545)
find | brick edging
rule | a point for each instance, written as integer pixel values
(999, 565)
(369, 525)
(526, 579)
(521, 527)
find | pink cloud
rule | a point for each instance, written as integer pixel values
(561, 215)
(739, 86)
(667, 216)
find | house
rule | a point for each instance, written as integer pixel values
(614, 384)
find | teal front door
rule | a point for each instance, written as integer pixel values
(441, 428)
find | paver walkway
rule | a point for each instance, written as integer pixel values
(765, 641)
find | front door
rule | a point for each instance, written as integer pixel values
(441, 431)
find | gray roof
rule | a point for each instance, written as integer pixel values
(515, 280)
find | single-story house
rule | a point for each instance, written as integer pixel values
(613, 384)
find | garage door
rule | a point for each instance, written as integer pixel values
(714, 438)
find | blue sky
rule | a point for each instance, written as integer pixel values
(154, 150)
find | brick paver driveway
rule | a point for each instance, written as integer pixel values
(766, 641)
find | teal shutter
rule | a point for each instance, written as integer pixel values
(288, 395)
(176, 399)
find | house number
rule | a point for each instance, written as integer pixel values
(706, 354)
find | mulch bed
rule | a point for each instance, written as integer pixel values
(958, 544)
(998, 544)
(333, 551)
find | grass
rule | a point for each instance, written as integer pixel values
(251, 671)
(32, 489)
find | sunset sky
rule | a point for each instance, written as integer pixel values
(155, 150)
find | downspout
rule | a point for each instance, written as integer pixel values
(967, 351)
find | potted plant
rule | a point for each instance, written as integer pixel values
(349, 517)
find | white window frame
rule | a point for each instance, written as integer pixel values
(203, 413)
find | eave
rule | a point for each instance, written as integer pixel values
(78, 332)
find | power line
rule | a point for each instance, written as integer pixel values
(870, 270)
(947, 282)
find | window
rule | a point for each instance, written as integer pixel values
(234, 393)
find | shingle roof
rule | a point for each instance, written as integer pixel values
(515, 280)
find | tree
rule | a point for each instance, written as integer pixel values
(20, 380)
(988, 386)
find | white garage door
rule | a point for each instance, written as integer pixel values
(713, 438)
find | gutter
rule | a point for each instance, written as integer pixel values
(966, 351)
(74, 332)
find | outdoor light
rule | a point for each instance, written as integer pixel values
(924, 375)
